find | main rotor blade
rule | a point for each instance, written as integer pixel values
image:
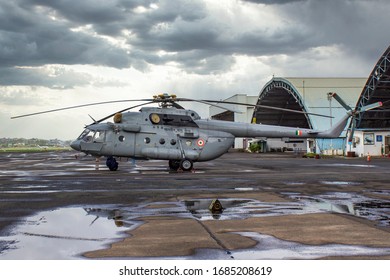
(268, 107)
(78, 106)
(208, 103)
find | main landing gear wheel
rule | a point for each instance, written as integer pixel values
(111, 163)
(186, 164)
(174, 164)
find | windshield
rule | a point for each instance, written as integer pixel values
(86, 134)
(92, 136)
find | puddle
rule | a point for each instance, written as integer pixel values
(294, 183)
(154, 171)
(351, 165)
(60, 234)
(348, 203)
(245, 189)
(31, 187)
(340, 183)
(271, 248)
(337, 183)
(201, 209)
(66, 233)
(36, 191)
(14, 173)
(381, 192)
(43, 191)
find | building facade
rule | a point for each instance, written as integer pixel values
(367, 133)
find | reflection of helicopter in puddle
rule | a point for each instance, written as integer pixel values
(320, 204)
(197, 208)
(110, 214)
(359, 206)
(178, 135)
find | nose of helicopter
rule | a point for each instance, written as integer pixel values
(75, 145)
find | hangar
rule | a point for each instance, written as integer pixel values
(371, 130)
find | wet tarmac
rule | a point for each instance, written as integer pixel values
(276, 206)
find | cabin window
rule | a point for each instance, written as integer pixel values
(147, 140)
(173, 142)
(121, 138)
(162, 141)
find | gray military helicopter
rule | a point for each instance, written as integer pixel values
(181, 136)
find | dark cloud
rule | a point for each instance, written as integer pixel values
(190, 34)
(54, 77)
(29, 37)
(358, 26)
(272, 2)
(106, 17)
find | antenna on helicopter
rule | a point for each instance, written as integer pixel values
(94, 121)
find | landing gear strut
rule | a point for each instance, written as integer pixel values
(185, 164)
(111, 163)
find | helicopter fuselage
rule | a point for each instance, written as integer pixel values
(154, 133)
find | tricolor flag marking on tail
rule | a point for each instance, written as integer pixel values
(298, 133)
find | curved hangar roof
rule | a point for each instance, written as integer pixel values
(306, 95)
(281, 93)
(377, 88)
(311, 95)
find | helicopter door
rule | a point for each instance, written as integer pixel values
(124, 144)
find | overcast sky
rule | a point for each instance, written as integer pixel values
(56, 53)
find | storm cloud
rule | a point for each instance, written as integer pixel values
(202, 37)
(272, 2)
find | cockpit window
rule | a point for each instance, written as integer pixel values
(92, 136)
(86, 135)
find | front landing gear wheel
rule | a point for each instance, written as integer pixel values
(111, 163)
(174, 164)
(186, 165)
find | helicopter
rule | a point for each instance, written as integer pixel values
(171, 132)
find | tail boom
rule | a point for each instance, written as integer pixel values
(238, 129)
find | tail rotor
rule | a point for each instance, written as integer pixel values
(354, 112)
